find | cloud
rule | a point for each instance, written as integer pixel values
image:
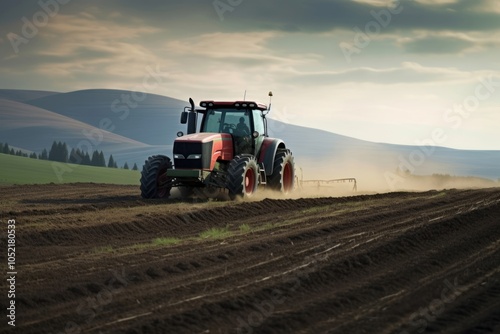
(321, 16)
(376, 3)
(448, 42)
(438, 45)
(407, 73)
(301, 16)
(237, 49)
(84, 43)
(486, 6)
(437, 2)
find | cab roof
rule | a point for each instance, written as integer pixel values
(233, 105)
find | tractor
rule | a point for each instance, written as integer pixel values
(230, 153)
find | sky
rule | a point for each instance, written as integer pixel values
(414, 72)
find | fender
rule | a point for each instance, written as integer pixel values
(268, 151)
(222, 149)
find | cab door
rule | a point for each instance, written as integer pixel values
(258, 125)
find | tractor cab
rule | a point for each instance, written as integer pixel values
(244, 121)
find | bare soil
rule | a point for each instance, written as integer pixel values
(89, 260)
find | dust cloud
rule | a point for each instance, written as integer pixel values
(373, 175)
(378, 176)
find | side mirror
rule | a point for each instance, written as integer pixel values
(255, 134)
(184, 117)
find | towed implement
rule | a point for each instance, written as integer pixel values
(229, 152)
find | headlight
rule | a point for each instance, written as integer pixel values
(178, 156)
(194, 156)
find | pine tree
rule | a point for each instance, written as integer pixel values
(33, 156)
(72, 156)
(76, 156)
(125, 166)
(44, 155)
(12, 152)
(19, 153)
(1, 148)
(95, 159)
(115, 165)
(79, 156)
(86, 159)
(135, 167)
(59, 151)
(64, 152)
(111, 162)
(53, 152)
(6, 149)
(101, 160)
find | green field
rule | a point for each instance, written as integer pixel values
(20, 170)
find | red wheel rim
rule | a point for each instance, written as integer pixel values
(249, 181)
(287, 178)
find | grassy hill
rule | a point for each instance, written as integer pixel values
(20, 170)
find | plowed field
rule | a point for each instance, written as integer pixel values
(97, 258)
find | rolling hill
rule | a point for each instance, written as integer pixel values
(146, 118)
(144, 124)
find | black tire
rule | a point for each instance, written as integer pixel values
(243, 176)
(154, 182)
(283, 177)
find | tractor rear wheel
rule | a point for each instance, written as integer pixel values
(154, 181)
(243, 176)
(283, 177)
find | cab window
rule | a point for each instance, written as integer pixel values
(212, 121)
(236, 122)
(258, 122)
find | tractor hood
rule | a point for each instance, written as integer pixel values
(202, 150)
(204, 137)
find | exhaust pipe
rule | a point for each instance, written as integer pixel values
(191, 126)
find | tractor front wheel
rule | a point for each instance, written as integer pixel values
(243, 176)
(154, 180)
(283, 177)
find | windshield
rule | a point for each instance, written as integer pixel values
(233, 121)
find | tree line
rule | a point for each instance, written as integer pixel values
(59, 152)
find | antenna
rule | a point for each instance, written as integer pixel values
(270, 97)
(245, 95)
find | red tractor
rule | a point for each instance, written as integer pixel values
(232, 153)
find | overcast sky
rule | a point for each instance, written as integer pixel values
(380, 70)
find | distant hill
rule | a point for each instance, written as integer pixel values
(23, 95)
(146, 124)
(146, 118)
(33, 129)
